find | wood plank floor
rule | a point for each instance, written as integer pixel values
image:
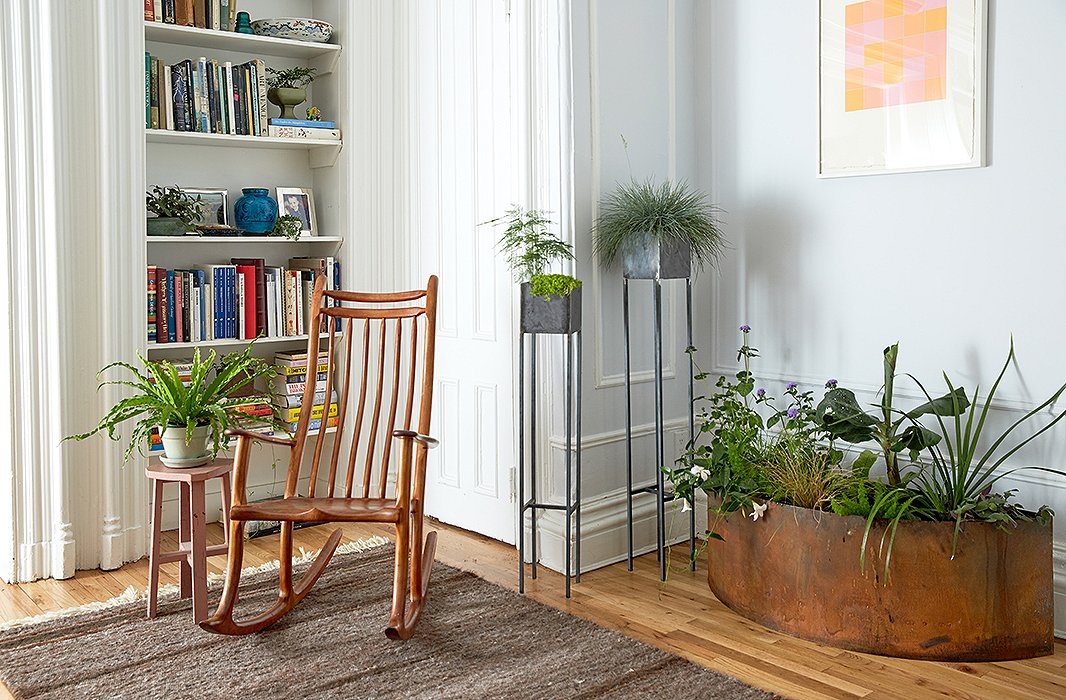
(682, 617)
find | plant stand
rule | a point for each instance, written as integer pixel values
(537, 319)
(655, 273)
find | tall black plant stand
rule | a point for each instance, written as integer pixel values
(555, 316)
(649, 258)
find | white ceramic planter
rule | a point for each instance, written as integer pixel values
(179, 453)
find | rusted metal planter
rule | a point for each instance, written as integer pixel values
(797, 571)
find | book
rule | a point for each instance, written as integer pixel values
(196, 11)
(297, 400)
(223, 16)
(271, 303)
(152, 303)
(242, 329)
(179, 306)
(299, 378)
(317, 411)
(149, 11)
(232, 16)
(178, 95)
(183, 12)
(288, 388)
(313, 424)
(168, 11)
(162, 333)
(249, 300)
(299, 132)
(253, 98)
(158, 10)
(172, 334)
(259, 287)
(227, 95)
(261, 86)
(168, 96)
(290, 367)
(147, 90)
(216, 20)
(305, 123)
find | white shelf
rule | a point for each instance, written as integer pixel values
(323, 152)
(230, 342)
(321, 56)
(280, 240)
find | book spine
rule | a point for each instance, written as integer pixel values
(253, 98)
(171, 328)
(186, 281)
(147, 90)
(190, 96)
(168, 96)
(223, 16)
(196, 12)
(271, 331)
(205, 103)
(299, 132)
(178, 95)
(212, 103)
(288, 369)
(247, 74)
(179, 307)
(227, 87)
(201, 281)
(305, 123)
(261, 84)
(153, 93)
(216, 10)
(301, 378)
(168, 12)
(237, 91)
(161, 332)
(182, 14)
(291, 316)
(157, 9)
(232, 15)
(151, 291)
(149, 11)
(317, 411)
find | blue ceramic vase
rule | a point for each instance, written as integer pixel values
(256, 211)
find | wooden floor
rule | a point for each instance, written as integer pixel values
(683, 618)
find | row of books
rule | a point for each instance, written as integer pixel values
(220, 15)
(244, 300)
(208, 96)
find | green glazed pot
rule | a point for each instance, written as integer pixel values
(287, 98)
(166, 226)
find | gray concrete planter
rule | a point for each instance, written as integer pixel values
(647, 257)
(552, 314)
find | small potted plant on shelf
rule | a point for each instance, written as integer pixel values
(192, 415)
(288, 88)
(288, 226)
(934, 562)
(659, 230)
(176, 212)
(551, 303)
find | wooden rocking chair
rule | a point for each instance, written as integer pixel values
(381, 375)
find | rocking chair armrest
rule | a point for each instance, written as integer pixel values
(240, 432)
(426, 440)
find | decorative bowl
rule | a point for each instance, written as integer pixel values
(298, 28)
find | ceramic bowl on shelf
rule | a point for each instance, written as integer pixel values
(300, 29)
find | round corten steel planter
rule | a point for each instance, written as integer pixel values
(797, 570)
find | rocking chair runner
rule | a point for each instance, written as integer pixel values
(381, 374)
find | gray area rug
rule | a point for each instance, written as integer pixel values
(476, 640)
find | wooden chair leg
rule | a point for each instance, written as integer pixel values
(225, 507)
(153, 557)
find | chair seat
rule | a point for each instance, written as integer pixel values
(300, 509)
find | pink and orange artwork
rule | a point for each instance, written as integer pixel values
(895, 53)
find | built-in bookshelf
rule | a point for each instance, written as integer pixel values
(216, 160)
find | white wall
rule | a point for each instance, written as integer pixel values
(951, 263)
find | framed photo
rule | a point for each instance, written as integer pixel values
(299, 202)
(216, 205)
(901, 86)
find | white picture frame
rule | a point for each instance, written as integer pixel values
(891, 102)
(216, 201)
(299, 202)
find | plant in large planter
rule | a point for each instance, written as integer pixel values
(192, 415)
(551, 303)
(660, 231)
(176, 212)
(927, 567)
(288, 88)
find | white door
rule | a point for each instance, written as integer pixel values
(463, 173)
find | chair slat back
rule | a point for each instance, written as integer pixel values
(373, 348)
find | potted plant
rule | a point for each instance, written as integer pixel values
(659, 230)
(288, 88)
(176, 212)
(192, 415)
(924, 566)
(551, 303)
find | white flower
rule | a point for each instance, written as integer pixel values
(685, 506)
(759, 509)
(701, 473)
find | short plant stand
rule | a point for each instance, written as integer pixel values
(655, 262)
(558, 316)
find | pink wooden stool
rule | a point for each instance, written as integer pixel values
(193, 550)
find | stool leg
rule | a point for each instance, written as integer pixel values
(225, 507)
(183, 539)
(198, 552)
(153, 556)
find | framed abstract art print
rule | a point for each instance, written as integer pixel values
(901, 86)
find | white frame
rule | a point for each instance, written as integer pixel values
(212, 191)
(975, 159)
(305, 191)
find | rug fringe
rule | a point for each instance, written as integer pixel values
(131, 594)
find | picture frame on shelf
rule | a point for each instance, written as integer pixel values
(299, 202)
(901, 86)
(216, 205)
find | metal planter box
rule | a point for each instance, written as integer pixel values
(647, 257)
(552, 314)
(797, 570)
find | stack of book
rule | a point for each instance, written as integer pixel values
(255, 414)
(208, 96)
(289, 388)
(244, 300)
(220, 15)
(303, 129)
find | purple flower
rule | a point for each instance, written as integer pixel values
(760, 392)
(791, 386)
(745, 328)
(792, 412)
(831, 384)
